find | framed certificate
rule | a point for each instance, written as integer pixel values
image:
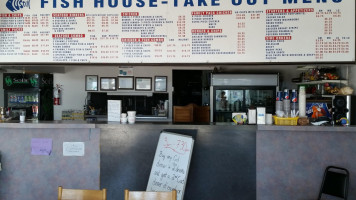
(125, 82)
(108, 83)
(91, 83)
(160, 83)
(143, 83)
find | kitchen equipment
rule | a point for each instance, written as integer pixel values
(239, 92)
(28, 91)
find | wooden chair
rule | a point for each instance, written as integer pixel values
(143, 195)
(78, 194)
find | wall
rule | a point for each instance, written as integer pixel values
(73, 80)
(73, 83)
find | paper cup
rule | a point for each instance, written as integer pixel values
(123, 119)
(22, 118)
(131, 113)
(131, 120)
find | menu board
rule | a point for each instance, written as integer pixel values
(177, 31)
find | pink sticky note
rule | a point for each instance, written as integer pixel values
(41, 146)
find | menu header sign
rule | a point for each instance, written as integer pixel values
(177, 31)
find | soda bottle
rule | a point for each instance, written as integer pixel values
(286, 94)
(294, 104)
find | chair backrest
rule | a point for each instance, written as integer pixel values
(78, 194)
(143, 195)
(335, 182)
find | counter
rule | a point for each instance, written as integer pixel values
(291, 159)
(231, 162)
(222, 166)
(30, 177)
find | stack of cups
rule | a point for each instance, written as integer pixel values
(286, 103)
(302, 101)
(131, 116)
(279, 103)
(123, 118)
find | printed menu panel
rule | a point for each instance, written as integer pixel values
(177, 31)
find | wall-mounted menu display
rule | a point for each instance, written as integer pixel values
(177, 31)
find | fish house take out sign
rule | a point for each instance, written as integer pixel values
(177, 31)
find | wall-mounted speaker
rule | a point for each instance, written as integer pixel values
(343, 106)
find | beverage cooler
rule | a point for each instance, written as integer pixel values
(30, 92)
(231, 93)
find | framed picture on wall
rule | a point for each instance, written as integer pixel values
(125, 82)
(143, 83)
(108, 83)
(160, 83)
(91, 83)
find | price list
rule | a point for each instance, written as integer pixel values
(178, 44)
(151, 36)
(281, 27)
(204, 39)
(69, 43)
(103, 36)
(283, 31)
(11, 28)
(327, 44)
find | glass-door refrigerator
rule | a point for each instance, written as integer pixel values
(231, 93)
(30, 92)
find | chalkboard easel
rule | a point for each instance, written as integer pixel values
(171, 163)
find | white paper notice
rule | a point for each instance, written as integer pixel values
(73, 148)
(114, 110)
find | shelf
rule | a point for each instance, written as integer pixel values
(320, 95)
(22, 103)
(323, 81)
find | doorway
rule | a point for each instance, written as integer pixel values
(191, 86)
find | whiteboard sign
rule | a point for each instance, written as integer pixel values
(73, 148)
(140, 31)
(114, 110)
(171, 163)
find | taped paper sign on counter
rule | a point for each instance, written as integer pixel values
(73, 148)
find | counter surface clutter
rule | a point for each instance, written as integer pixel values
(250, 159)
